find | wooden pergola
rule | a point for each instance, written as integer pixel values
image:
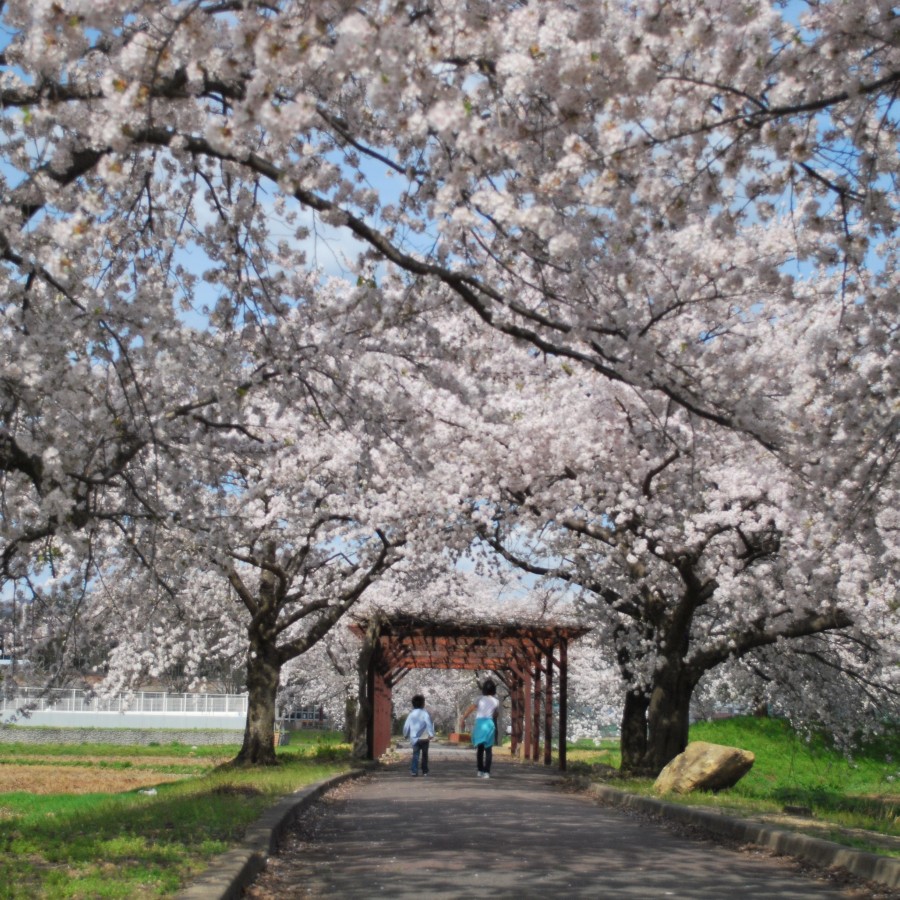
(522, 657)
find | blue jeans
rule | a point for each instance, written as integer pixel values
(420, 747)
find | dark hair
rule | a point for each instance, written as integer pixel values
(489, 687)
(418, 702)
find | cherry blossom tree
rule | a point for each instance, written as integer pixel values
(695, 202)
(120, 413)
(272, 528)
(689, 549)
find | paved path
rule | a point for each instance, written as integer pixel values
(518, 835)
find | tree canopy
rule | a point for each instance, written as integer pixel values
(617, 296)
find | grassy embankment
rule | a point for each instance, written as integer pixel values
(66, 830)
(853, 801)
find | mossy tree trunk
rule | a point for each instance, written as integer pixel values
(263, 672)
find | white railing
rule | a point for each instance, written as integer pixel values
(72, 700)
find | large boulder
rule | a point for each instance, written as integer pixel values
(704, 767)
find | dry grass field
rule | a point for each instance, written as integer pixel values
(71, 780)
(97, 775)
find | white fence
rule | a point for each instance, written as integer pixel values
(65, 706)
(70, 700)
(68, 707)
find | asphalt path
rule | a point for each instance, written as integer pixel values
(518, 835)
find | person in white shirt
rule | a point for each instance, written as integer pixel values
(419, 728)
(484, 734)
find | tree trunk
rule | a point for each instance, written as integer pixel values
(668, 720)
(361, 740)
(634, 732)
(361, 736)
(655, 725)
(350, 723)
(263, 672)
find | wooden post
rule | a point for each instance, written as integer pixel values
(381, 714)
(536, 713)
(526, 715)
(563, 701)
(515, 714)
(548, 710)
(368, 699)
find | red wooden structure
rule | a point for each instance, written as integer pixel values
(523, 657)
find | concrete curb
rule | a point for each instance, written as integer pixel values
(230, 872)
(882, 869)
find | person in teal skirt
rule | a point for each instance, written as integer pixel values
(484, 734)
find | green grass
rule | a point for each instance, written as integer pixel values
(861, 792)
(135, 845)
(25, 751)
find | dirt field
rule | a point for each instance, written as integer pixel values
(77, 779)
(45, 775)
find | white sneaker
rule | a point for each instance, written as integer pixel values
(485, 774)
(479, 774)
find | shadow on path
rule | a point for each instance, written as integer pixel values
(517, 835)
